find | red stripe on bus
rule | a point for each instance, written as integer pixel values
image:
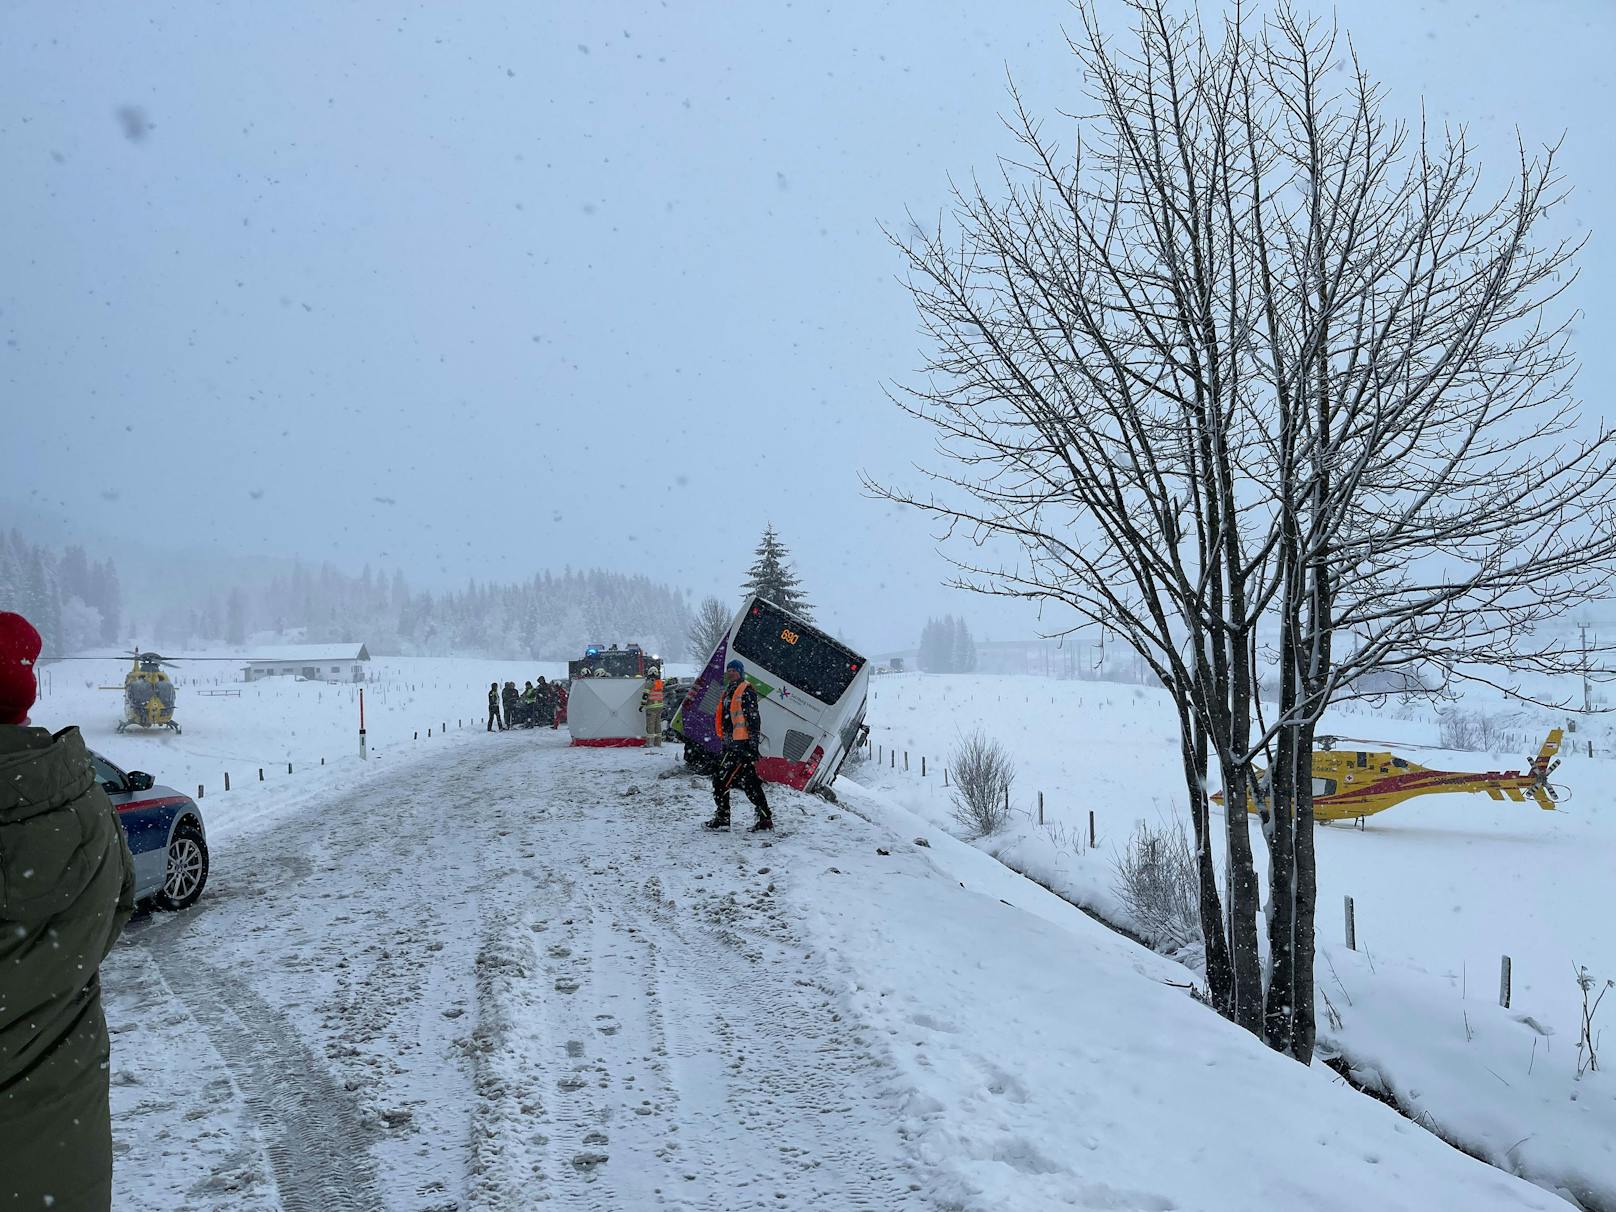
(611, 742)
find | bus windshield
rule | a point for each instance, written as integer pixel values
(809, 660)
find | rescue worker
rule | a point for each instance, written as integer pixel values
(738, 726)
(493, 708)
(545, 712)
(530, 705)
(560, 717)
(66, 890)
(512, 701)
(651, 704)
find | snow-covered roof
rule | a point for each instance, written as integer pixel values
(312, 653)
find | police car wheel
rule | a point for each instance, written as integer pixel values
(187, 872)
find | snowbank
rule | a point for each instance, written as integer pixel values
(1442, 888)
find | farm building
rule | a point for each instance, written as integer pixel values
(316, 663)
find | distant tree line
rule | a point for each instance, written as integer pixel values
(73, 602)
(946, 646)
(548, 616)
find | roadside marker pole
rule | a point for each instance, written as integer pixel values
(362, 754)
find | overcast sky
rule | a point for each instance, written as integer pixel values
(477, 289)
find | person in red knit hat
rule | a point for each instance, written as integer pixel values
(67, 887)
(19, 649)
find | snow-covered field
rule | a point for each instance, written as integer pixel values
(1442, 886)
(491, 972)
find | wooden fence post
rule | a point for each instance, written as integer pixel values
(1352, 927)
(199, 791)
(923, 766)
(1091, 829)
(288, 767)
(227, 780)
(260, 774)
(906, 761)
(1040, 807)
(1503, 982)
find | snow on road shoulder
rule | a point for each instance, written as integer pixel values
(1442, 886)
(1049, 1062)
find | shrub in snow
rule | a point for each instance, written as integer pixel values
(982, 772)
(1588, 1039)
(1475, 731)
(1458, 730)
(1157, 882)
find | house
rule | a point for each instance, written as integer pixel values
(313, 663)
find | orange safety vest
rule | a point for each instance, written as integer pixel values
(738, 731)
(653, 697)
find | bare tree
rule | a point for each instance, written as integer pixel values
(1438, 508)
(707, 627)
(1250, 355)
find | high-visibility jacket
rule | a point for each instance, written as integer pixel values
(737, 716)
(651, 700)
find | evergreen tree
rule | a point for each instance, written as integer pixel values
(235, 617)
(771, 577)
(934, 653)
(964, 648)
(108, 599)
(11, 571)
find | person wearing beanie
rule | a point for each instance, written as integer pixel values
(493, 708)
(67, 887)
(738, 724)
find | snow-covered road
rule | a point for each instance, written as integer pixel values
(488, 982)
(495, 973)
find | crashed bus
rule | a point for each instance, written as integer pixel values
(812, 691)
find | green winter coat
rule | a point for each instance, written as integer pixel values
(67, 886)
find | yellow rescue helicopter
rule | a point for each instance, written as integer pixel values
(148, 695)
(1351, 784)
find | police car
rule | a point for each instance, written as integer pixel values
(165, 834)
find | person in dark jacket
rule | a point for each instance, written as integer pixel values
(739, 726)
(67, 887)
(493, 708)
(530, 705)
(511, 699)
(544, 709)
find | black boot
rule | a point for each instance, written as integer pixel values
(718, 822)
(763, 824)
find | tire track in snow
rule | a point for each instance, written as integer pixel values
(310, 1124)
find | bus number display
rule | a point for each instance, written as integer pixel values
(788, 635)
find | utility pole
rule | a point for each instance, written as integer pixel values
(1587, 689)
